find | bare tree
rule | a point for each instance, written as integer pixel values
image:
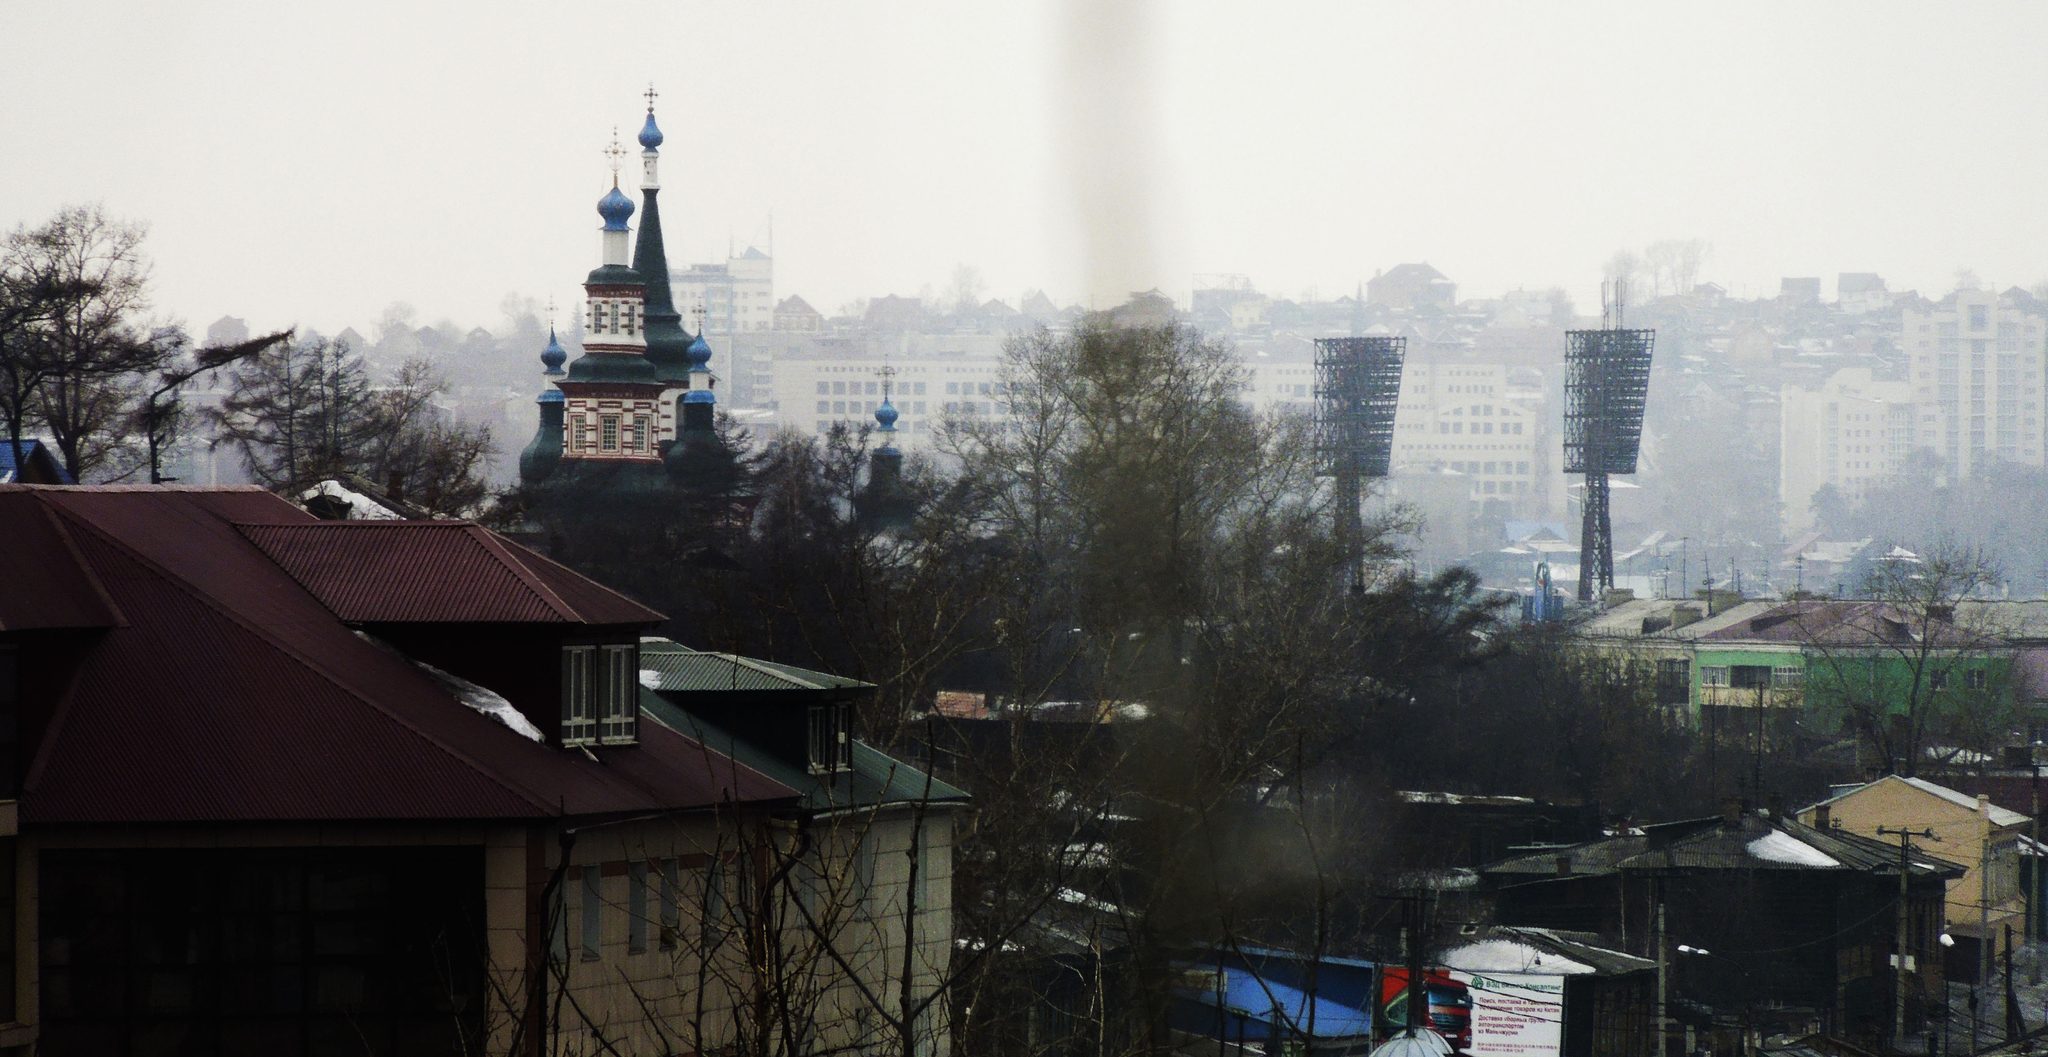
(1914, 661)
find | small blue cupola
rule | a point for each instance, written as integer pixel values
(553, 356)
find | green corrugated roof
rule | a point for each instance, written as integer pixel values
(876, 778)
(686, 670)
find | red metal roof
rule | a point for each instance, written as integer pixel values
(436, 571)
(232, 693)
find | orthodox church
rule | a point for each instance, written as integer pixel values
(634, 413)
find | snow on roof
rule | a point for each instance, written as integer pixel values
(361, 507)
(1413, 796)
(1507, 956)
(484, 700)
(1779, 846)
(1999, 816)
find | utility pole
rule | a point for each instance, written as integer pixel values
(1663, 979)
(1899, 954)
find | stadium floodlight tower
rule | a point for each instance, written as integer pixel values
(1358, 388)
(1606, 384)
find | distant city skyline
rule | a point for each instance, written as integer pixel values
(312, 167)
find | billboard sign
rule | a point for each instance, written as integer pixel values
(1515, 1014)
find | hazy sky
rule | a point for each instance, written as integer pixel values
(303, 163)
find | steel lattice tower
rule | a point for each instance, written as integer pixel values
(1358, 388)
(1607, 382)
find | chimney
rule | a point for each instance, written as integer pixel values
(1823, 817)
(394, 485)
(1731, 810)
(1983, 804)
(1564, 866)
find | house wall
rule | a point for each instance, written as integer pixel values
(801, 908)
(1961, 836)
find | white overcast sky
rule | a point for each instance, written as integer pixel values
(311, 163)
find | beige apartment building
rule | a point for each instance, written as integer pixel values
(1851, 432)
(1483, 420)
(1977, 363)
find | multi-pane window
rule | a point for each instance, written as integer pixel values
(643, 428)
(579, 692)
(600, 695)
(1788, 675)
(610, 435)
(620, 723)
(1713, 675)
(1750, 676)
(1674, 682)
(829, 725)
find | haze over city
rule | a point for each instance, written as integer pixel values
(311, 165)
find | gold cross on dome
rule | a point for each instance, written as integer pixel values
(651, 93)
(615, 152)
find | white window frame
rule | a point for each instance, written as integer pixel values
(579, 695)
(618, 722)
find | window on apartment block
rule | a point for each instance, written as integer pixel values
(1674, 682)
(593, 912)
(1980, 316)
(829, 733)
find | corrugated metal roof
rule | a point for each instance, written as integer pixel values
(874, 778)
(46, 583)
(232, 694)
(44, 465)
(435, 571)
(1752, 842)
(694, 671)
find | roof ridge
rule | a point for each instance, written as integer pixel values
(490, 542)
(205, 598)
(91, 575)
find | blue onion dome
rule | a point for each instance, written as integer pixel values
(886, 415)
(553, 356)
(615, 208)
(700, 354)
(650, 135)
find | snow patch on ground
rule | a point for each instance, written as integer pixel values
(1507, 956)
(1776, 846)
(485, 701)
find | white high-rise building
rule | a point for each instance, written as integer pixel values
(1978, 377)
(730, 298)
(1852, 432)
